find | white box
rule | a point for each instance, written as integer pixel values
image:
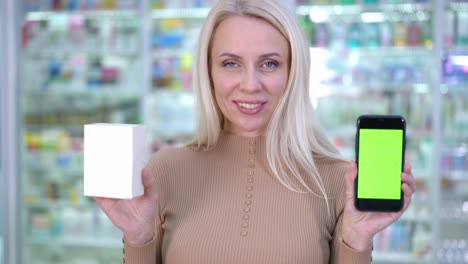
(113, 160)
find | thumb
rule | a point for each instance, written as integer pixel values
(350, 178)
(149, 183)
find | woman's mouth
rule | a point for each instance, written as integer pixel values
(250, 108)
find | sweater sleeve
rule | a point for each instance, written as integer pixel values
(340, 252)
(140, 254)
(150, 253)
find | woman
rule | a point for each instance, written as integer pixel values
(260, 183)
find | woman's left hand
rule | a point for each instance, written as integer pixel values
(359, 228)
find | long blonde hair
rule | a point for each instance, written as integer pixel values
(292, 137)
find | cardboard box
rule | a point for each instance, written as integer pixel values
(113, 160)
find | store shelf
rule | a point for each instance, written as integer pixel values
(416, 219)
(59, 204)
(457, 89)
(175, 13)
(383, 52)
(39, 155)
(169, 52)
(457, 49)
(462, 223)
(42, 126)
(353, 9)
(458, 6)
(105, 91)
(63, 100)
(57, 53)
(456, 175)
(389, 10)
(88, 242)
(367, 13)
(95, 14)
(365, 88)
(394, 257)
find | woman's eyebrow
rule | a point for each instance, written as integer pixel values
(227, 54)
(271, 54)
(266, 55)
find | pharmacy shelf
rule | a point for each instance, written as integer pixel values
(103, 91)
(457, 48)
(457, 89)
(174, 13)
(455, 175)
(416, 219)
(462, 223)
(390, 11)
(73, 100)
(59, 204)
(41, 126)
(394, 257)
(367, 13)
(69, 52)
(163, 53)
(95, 14)
(458, 6)
(378, 87)
(85, 242)
(383, 52)
(352, 9)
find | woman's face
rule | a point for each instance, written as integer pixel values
(249, 70)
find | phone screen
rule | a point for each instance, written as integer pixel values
(380, 163)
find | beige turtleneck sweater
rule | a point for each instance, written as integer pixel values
(224, 206)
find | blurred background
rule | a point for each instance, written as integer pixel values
(66, 63)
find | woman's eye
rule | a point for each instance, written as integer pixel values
(230, 64)
(270, 65)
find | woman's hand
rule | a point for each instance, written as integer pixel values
(135, 217)
(359, 228)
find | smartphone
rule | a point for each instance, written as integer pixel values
(380, 158)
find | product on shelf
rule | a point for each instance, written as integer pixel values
(453, 251)
(173, 116)
(160, 4)
(461, 29)
(382, 28)
(173, 43)
(455, 68)
(78, 5)
(79, 68)
(79, 52)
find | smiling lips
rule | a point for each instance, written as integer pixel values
(250, 108)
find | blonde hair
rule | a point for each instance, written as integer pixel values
(292, 137)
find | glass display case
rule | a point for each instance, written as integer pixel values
(376, 58)
(2, 205)
(2, 180)
(129, 61)
(170, 102)
(81, 63)
(2, 199)
(453, 242)
(7, 56)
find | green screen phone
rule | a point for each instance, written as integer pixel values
(380, 147)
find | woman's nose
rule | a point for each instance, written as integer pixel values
(251, 81)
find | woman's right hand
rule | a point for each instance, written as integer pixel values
(134, 217)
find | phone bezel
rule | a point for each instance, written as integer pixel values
(379, 122)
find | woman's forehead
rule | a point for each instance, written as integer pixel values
(237, 34)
